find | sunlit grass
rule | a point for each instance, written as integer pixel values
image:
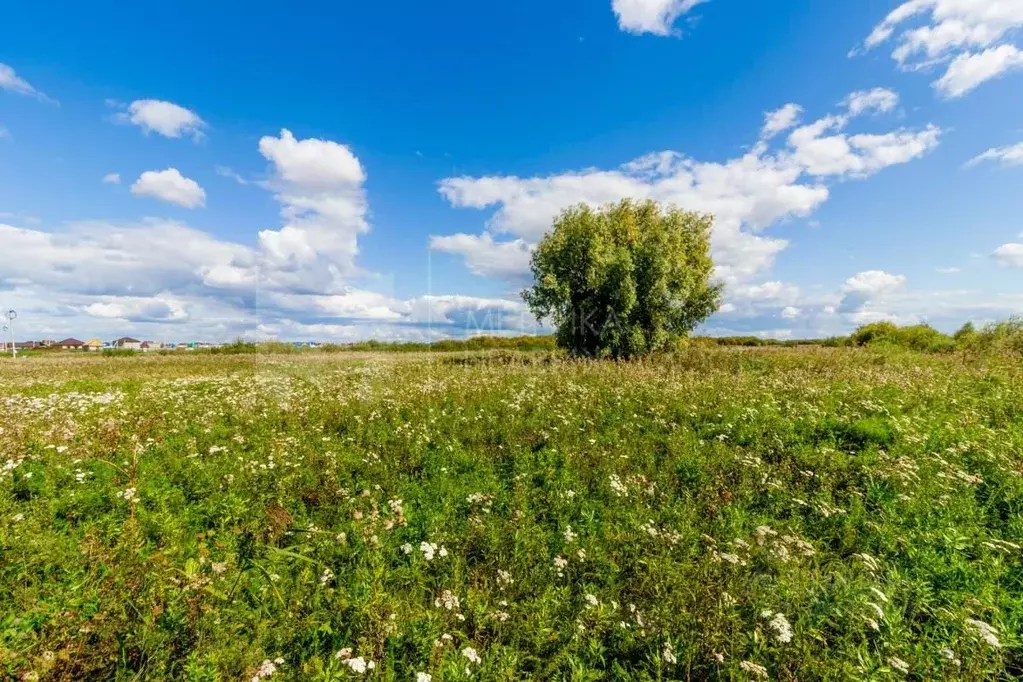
(716, 514)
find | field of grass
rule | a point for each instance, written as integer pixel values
(724, 514)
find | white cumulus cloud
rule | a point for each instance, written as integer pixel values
(1009, 255)
(970, 39)
(967, 71)
(881, 100)
(1010, 155)
(165, 118)
(822, 149)
(486, 257)
(780, 120)
(874, 283)
(746, 195)
(164, 280)
(791, 312)
(12, 82)
(170, 186)
(865, 287)
(319, 184)
(651, 16)
(136, 309)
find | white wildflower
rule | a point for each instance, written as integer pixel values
(754, 669)
(619, 488)
(986, 632)
(669, 654)
(447, 600)
(471, 654)
(128, 494)
(780, 624)
(266, 669)
(898, 664)
(950, 656)
(424, 677)
(360, 665)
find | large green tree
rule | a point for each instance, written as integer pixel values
(625, 279)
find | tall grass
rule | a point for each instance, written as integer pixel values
(715, 514)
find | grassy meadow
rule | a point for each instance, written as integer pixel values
(715, 514)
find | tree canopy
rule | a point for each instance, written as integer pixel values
(624, 280)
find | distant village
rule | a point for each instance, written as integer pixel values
(123, 343)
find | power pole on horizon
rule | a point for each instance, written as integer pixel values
(11, 315)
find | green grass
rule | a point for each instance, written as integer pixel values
(200, 516)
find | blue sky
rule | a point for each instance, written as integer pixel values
(429, 146)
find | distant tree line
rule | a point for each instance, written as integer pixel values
(996, 337)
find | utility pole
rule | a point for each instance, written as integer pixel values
(11, 315)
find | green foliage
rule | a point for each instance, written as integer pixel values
(623, 280)
(965, 334)
(241, 346)
(999, 337)
(118, 352)
(920, 337)
(522, 343)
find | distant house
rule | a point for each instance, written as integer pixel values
(93, 344)
(70, 343)
(128, 343)
(147, 346)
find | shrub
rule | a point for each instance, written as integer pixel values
(1000, 337)
(118, 352)
(919, 337)
(876, 332)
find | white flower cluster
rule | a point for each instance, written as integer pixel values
(447, 600)
(128, 494)
(986, 632)
(430, 549)
(267, 668)
(780, 624)
(358, 664)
